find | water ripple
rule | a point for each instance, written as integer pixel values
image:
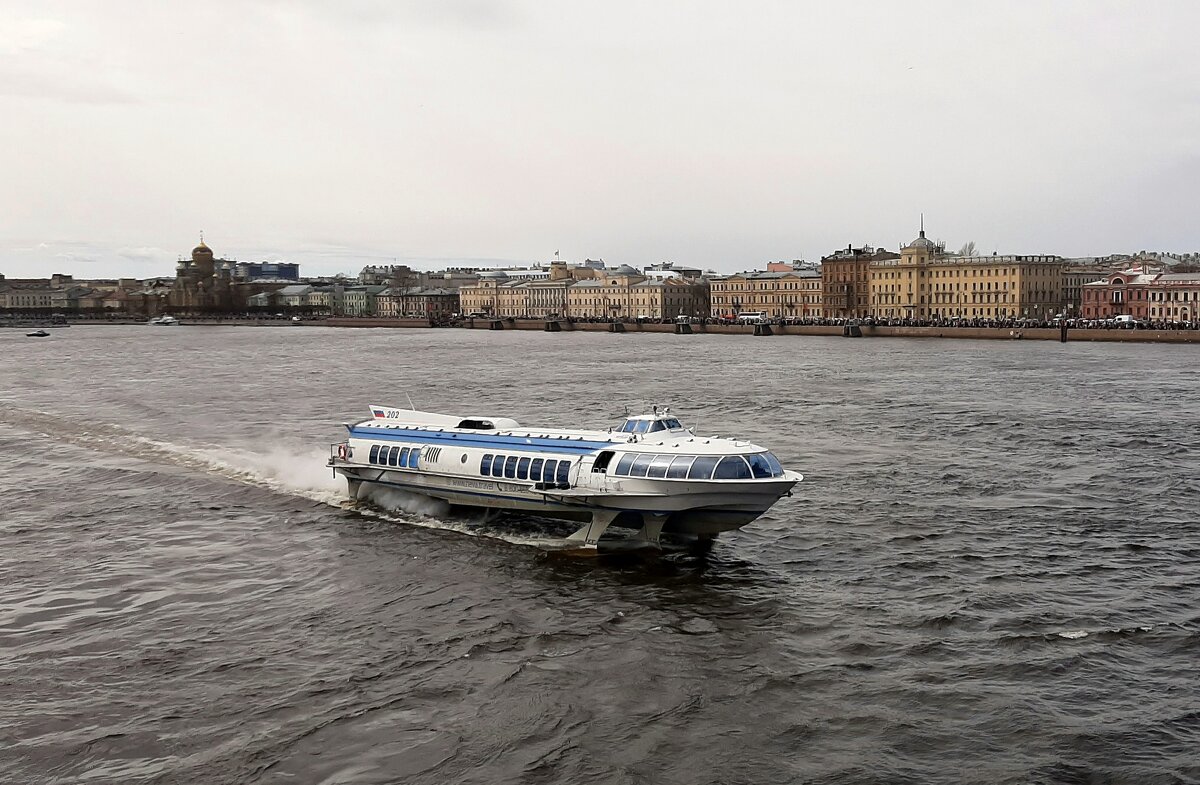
(990, 574)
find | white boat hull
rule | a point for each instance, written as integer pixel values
(693, 508)
(651, 474)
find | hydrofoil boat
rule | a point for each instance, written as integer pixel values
(648, 472)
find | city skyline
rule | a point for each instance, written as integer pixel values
(478, 133)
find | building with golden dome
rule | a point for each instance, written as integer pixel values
(203, 284)
(207, 284)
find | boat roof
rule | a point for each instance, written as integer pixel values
(414, 417)
(386, 418)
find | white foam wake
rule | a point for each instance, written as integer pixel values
(298, 471)
(397, 500)
(291, 468)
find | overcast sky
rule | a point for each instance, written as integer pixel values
(715, 134)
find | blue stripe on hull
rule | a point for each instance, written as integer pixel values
(483, 442)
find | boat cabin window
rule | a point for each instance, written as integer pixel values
(413, 456)
(776, 466)
(393, 456)
(762, 465)
(640, 465)
(732, 467)
(633, 425)
(516, 468)
(679, 467)
(403, 460)
(702, 467)
(659, 466)
(477, 425)
(759, 465)
(602, 460)
(374, 453)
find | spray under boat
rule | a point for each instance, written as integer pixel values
(649, 473)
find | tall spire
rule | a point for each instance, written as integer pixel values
(922, 226)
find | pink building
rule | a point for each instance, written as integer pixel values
(1155, 296)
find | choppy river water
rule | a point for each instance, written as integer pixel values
(990, 575)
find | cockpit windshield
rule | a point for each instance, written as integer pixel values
(633, 425)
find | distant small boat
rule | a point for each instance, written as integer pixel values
(164, 321)
(37, 334)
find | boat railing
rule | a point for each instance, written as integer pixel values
(339, 451)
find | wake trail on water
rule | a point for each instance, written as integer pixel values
(287, 469)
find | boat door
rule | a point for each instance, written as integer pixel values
(593, 469)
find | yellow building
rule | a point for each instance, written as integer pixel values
(612, 296)
(583, 292)
(497, 294)
(484, 296)
(928, 283)
(792, 294)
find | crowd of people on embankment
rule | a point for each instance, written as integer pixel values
(871, 321)
(1005, 323)
(1123, 323)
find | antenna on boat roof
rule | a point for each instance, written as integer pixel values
(410, 403)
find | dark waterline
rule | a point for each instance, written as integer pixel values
(989, 575)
